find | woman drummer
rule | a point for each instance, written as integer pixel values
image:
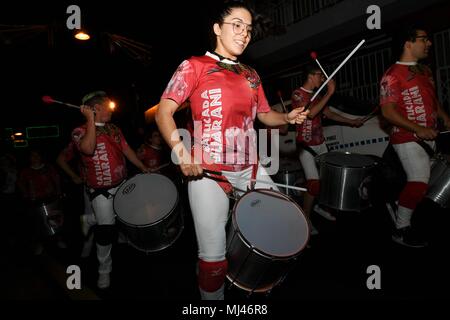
(225, 97)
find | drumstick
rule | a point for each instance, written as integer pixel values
(335, 71)
(370, 115)
(443, 132)
(162, 166)
(282, 102)
(260, 181)
(313, 55)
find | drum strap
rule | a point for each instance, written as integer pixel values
(94, 193)
(309, 149)
(429, 150)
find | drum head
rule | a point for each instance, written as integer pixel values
(271, 223)
(347, 160)
(145, 199)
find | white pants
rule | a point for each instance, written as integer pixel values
(210, 208)
(89, 219)
(308, 162)
(104, 215)
(415, 160)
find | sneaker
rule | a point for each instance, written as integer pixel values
(324, 213)
(103, 281)
(61, 244)
(312, 230)
(37, 251)
(122, 238)
(407, 237)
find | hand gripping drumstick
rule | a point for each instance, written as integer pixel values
(314, 56)
(219, 173)
(334, 72)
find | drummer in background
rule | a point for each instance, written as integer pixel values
(87, 219)
(39, 183)
(103, 150)
(225, 97)
(151, 152)
(310, 137)
(408, 101)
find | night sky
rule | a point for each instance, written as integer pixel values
(67, 70)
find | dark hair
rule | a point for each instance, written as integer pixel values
(223, 11)
(403, 34)
(309, 68)
(97, 97)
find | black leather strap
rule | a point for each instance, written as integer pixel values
(426, 147)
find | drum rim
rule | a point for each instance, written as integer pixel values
(167, 245)
(319, 159)
(257, 250)
(149, 224)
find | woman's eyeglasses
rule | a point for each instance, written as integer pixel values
(239, 27)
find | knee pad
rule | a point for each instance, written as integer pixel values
(211, 275)
(313, 187)
(105, 234)
(412, 194)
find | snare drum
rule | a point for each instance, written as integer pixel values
(148, 212)
(290, 173)
(345, 180)
(266, 233)
(439, 184)
(50, 215)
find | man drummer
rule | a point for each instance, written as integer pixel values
(103, 149)
(310, 138)
(408, 101)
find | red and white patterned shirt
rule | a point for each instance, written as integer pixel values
(310, 132)
(411, 88)
(224, 100)
(107, 167)
(70, 152)
(150, 156)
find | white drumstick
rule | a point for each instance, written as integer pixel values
(337, 69)
(160, 167)
(314, 56)
(442, 132)
(260, 181)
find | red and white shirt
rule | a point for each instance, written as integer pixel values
(150, 156)
(107, 167)
(70, 152)
(224, 97)
(411, 87)
(310, 132)
(39, 183)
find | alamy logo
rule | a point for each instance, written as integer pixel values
(74, 20)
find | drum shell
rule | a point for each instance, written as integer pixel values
(291, 178)
(251, 269)
(50, 216)
(344, 188)
(270, 270)
(439, 184)
(158, 234)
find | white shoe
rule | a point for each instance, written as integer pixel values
(61, 244)
(324, 213)
(38, 249)
(312, 230)
(122, 238)
(103, 281)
